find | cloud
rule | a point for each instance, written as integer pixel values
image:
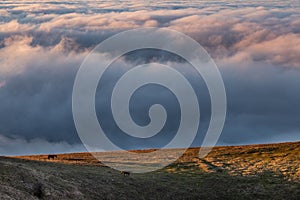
(256, 45)
(14, 26)
(222, 30)
(2, 83)
(18, 55)
(14, 146)
(262, 103)
(36, 90)
(283, 51)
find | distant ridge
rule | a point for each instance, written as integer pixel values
(281, 158)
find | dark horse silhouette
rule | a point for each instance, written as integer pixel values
(125, 173)
(52, 156)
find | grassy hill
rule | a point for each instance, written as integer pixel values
(239, 172)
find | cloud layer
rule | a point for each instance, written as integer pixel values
(256, 46)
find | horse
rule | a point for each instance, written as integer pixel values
(52, 157)
(125, 173)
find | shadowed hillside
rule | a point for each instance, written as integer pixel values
(238, 172)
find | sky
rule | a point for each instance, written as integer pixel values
(255, 44)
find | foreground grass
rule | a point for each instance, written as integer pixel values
(39, 180)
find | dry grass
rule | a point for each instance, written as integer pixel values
(281, 158)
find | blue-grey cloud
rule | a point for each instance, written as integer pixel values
(255, 44)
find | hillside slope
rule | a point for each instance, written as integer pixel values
(245, 172)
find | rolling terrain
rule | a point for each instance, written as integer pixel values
(269, 171)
